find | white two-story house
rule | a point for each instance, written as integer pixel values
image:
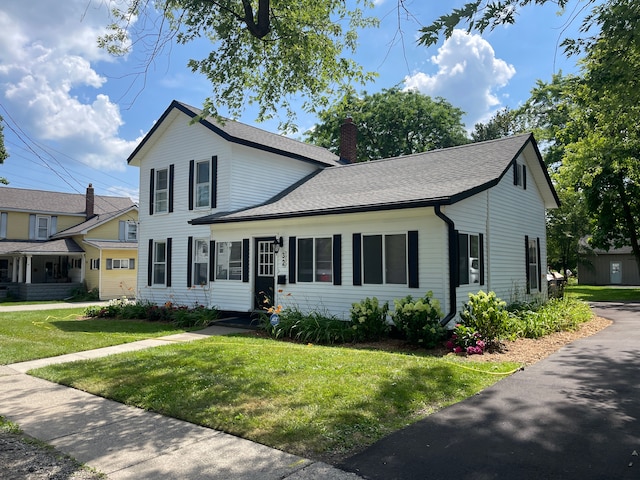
(238, 218)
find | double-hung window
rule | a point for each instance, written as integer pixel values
(43, 228)
(533, 260)
(201, 262)
(131, 231)
(161, 194)
(202, 184)
(315, 259)
(469, 257)
(229, 261)
(159, 263)
(384, 259)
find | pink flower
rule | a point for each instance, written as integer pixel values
(449, 345)
(457, 350)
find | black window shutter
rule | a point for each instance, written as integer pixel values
(150, 264)
(292, 259)
(152, 186)
(171, 177)
(168, 267)
(357, 259)
(245, 260)
(192, 165)
(337, 259)
(524, 177)
(539, 266)
(481, 260)
(189, 261)
(214, 181)
(515, 173)
(212, 260)
(456, 257)
(413, 254)
(526, 261)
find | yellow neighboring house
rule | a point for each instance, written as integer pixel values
(53, 244)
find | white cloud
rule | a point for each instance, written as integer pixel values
(468, 76)
(49, 82)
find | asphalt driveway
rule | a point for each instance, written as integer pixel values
(574, 415)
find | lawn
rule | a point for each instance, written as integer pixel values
(589, 293)
(48, 333)
(314, 401)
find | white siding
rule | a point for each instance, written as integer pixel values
(245, 176)
(337, 299)
(505, 214)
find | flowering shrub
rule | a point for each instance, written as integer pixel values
(466, 340)
(419, 320)
(369, 319)
(488, 315)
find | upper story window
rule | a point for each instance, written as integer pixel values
(131, 231)
(43, 227)
(202, 179)
(315, 259)
(161, 194)
(520, 175)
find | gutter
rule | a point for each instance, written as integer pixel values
(452, 265)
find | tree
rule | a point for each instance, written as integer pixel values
(604, 160)
(390, 123)
(481, 15)
(263, 51)
(502, 124)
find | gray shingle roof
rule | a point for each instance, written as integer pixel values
(436, 177)
(243, 134)
(58, 247)
(112, 245)
(91, 223)
(39, 201)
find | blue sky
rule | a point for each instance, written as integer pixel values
(73, 114)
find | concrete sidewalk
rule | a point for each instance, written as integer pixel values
(129, 443)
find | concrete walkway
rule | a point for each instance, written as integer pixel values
(572, 416)
(129, 443)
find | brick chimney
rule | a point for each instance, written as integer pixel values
(348, 137)
(89, 202)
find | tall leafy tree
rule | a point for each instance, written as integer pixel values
(501, 124)
(262, 51)
(390, 123)
(604, 161)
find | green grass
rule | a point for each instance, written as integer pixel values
(590, 293)
(309, 400)
(48, 333)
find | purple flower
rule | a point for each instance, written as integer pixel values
(457, 350)
(450, 345)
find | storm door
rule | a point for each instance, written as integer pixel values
(265, 265)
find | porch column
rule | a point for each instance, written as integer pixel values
(15, 264)
(28, 270)
(20, 261)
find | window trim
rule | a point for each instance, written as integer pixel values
(37, 227)
(195, 262)
(157, 190)
(238, 265)
(381, 262)
(156, 263)
(314, 259)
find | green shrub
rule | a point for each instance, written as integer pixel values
(369, 319)
(313, 327)
(419, 320)
(558, 314)
(181, 316)
(488, 315)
